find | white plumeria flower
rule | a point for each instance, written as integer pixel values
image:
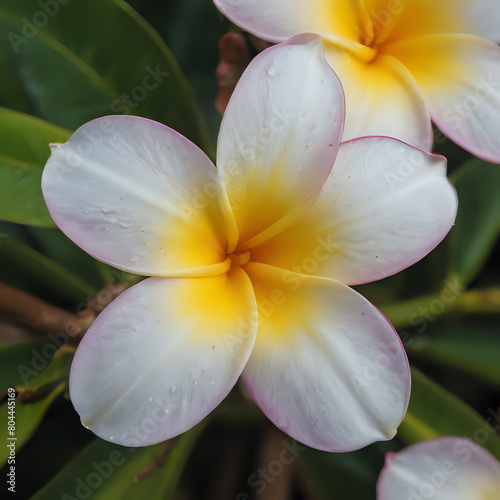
(400, 62)
(446, 468)
(250, 260)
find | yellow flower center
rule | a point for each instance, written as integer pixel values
(240, 258)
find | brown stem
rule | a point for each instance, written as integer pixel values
(25, 310)
(233, 60)
(28, 311)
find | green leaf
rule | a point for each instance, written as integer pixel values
(24, 149)
(106, 471)
(55, 277)
(471, 347)
(478, 221)
(33, 401)
(434, 412)
(16, 362)
(11, 90)
(81, 60)
(59, 248)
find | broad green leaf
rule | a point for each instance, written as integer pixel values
(24, 149)
(17, 360)
(106, 471)
(54, 277)
(478, 221)
(199, 65)
(12, 91)
(434, 412)
(33, 401)
(54, 371)
(56, 246)
(469, 347)
(80, 60)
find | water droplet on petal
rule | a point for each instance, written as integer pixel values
(173, 389)
(105, 210)
(111, 438)
(272, 71)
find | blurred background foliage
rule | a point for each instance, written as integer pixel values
(83, 59)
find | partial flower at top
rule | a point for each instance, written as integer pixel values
(250, 260)
(401, 62)
(446, 468)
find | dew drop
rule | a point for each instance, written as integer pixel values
(173, 389)
(272, 71)
(111, 438)
(150, 399)
(105, 210)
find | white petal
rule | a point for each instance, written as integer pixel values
(428, 17)
(446, 468)
(327, 368)
(277, 20)
(137, 195)
(384, 207)
(280, 134)
(382, 98)
(460, 80)
(162, 356)
(481, 17)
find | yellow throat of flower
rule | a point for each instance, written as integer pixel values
(240, 258)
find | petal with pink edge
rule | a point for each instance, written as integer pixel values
(280, 134)
(327, 367)
(384, 207)
(162, 356)
(446, 468)
(460, 79)
(137, 195)
(277, 20)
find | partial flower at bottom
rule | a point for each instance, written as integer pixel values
(446, 468)
(250, 261)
